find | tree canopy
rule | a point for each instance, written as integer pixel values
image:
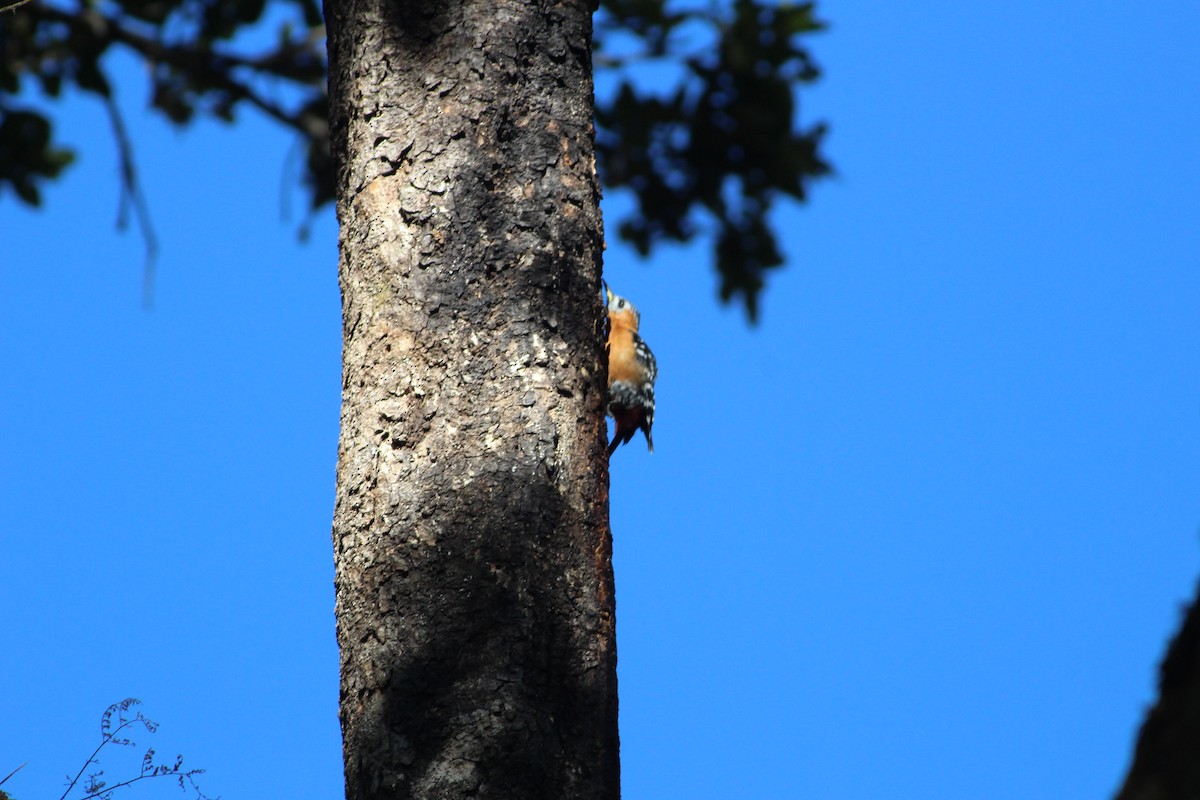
(705, 153)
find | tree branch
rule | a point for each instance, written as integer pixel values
(210, 67)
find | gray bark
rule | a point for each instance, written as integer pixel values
(475, 606)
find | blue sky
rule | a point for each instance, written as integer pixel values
(923, 533)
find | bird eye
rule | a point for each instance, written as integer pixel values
(621, 303)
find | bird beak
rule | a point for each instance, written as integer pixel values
(608, 295)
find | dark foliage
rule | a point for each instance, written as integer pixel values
(706, 155)
(117, 724)
(723, 139)
(198, 63)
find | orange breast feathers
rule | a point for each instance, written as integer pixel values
(622, 355)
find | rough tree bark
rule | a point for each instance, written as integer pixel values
(474, 582)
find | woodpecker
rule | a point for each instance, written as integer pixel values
(631, 374)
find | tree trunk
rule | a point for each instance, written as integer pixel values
(1166, 759)
(475, 606)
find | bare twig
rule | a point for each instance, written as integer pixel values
(14, 772)
(132, 197)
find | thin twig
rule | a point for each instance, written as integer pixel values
(132, 196)
(14, 772)
(125, 723)
(110, 787)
